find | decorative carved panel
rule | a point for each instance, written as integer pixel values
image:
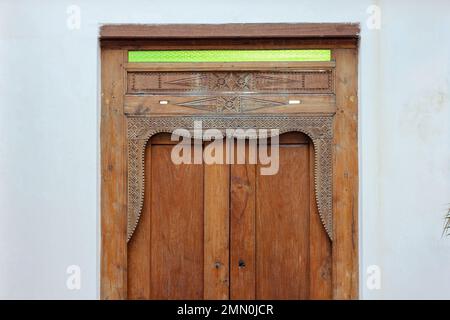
(225, 103)
(319, 128)
(303, 81)
(230, 104)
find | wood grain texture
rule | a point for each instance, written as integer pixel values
(282, 228)
(243, 233)
(176, 228)
(139, 247)
(113, 274)
(216, 197)
(231, 30)
(345, 174)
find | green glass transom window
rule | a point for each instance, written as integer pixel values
(228, 55)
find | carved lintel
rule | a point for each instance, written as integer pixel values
(298, 81)
(319, 128)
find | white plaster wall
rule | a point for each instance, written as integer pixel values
(49, 108)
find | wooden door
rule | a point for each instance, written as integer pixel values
(227, 231)
(278, 246)
(165, 257)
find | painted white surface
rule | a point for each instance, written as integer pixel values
(49, 136)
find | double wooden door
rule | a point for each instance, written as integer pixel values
(226, 231)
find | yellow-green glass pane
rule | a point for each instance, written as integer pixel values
(228, 55)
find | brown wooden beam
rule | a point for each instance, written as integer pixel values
(231, 30)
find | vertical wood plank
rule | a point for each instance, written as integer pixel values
(216, 202)
(282, 227)
(113, 284)
(139, 252)
(177, 228)
(345, 176)
(320, 281)
(242, 247)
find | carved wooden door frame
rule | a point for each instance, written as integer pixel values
(125, 129)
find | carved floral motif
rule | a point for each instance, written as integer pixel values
(314, 81)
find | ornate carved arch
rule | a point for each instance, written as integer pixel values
(318, 127)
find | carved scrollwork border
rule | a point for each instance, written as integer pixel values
(318, 127)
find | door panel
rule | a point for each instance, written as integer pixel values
(176, 226)
(166, 258)
(282, 221)
(225, 231)
(278, 246)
